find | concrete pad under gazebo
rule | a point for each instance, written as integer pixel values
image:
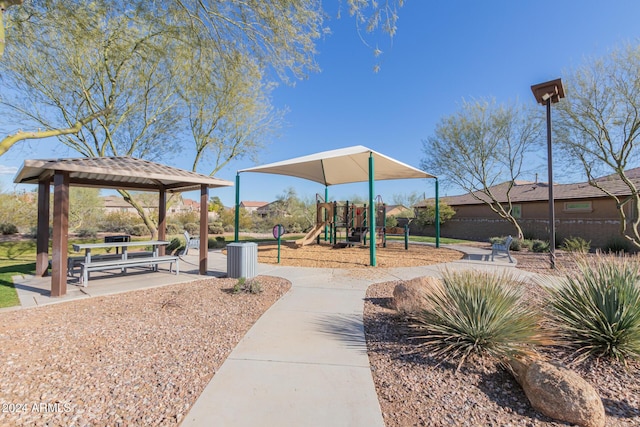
(104, 172)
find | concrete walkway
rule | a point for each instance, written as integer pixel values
(304, 362)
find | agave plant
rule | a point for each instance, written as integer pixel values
(477, 313)
(597, 312)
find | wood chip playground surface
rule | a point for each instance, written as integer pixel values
(325, 255)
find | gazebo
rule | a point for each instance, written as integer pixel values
(343, 166)
(111, 173)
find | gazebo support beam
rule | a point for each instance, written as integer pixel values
(42, 241)
(204, 228)
(60, 233)
(162, 219)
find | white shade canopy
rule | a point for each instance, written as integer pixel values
(342, 166)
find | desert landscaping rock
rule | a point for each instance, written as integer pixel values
(559, 392)
(409, 296)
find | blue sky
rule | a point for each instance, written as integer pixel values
(443, 52)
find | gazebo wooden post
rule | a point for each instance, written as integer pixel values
(162, 219)
(60, 233)
(42, 241)
(204, 228)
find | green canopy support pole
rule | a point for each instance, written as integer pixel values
(437, 215)
(372, 213)
(326, 218)
(236, 222)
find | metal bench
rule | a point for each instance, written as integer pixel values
(74, 262)
(498, 248)
(191, 242)
(120, 263)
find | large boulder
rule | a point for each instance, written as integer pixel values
(408, 296)
(559, 393)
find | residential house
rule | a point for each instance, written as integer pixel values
(581, 210)
(251, 206)
(117, 204)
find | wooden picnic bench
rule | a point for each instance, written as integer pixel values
(125, 259)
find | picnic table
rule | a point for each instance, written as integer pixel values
(124, 259)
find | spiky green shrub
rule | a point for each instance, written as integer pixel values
(597, 312)
(539, 246)
(576, 244)
(479, 313)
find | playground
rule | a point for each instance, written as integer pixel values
(325, 255)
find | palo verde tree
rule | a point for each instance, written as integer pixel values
(482, 149)
(150, 79)
(598, 126)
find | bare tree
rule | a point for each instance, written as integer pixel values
(598, 126)
(167, 72)
(481, 146)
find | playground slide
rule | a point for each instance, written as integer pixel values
(311, 235)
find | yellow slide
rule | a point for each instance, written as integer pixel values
(311, 235)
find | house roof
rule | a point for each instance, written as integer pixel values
(342, 166)
(117, 172)
(524, 191)
(252, 204)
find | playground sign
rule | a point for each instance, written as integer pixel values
(278, 231)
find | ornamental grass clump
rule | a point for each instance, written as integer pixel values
(597, 312)
(477, 313)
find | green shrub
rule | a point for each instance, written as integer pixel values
(597, 312)
(251, 286)
(216, 242)
(617, 245)
(119, 222)
(174, 245)
(192, 228)
(8, 228)
(91, 233)
(576, 244)
(139, 230)
(173, 228)
(215, 228)
(539, 246)
(391, 221)
(479, 313)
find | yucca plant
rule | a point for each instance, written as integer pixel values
(597, 312)
(477, 313)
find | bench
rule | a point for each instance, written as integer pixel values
(498, 248)
(74, 263)
(111, 264)
(191, 242)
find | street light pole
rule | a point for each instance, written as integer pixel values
(546, 94)
(552, 215)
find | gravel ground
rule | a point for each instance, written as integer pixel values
(135, 359)
(414, 390)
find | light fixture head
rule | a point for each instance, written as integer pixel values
(551, 90)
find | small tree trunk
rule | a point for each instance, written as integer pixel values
(141, 212)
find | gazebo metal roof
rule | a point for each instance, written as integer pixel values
(117, 172)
